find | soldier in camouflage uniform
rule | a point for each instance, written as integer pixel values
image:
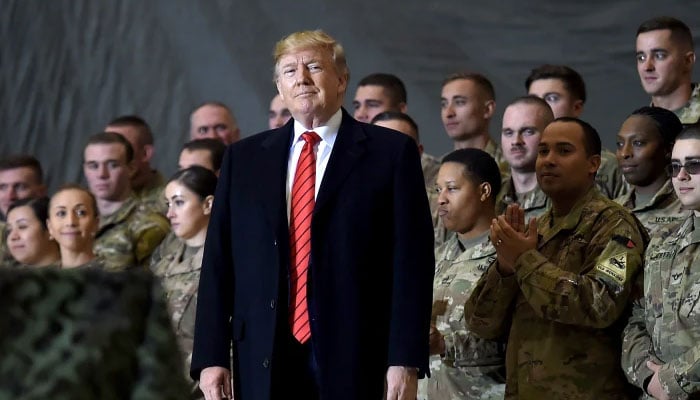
(462, 365)
(560, 286)
(661, 346)
(73, 223)
(564, 90)
(129, 229)
(28, 237)
(644, 146)
(668, 78)
(147, 182)
(178, 260)
(86, 334)
(128, 236)
(21, 177)
(524, 119)
(467, 122)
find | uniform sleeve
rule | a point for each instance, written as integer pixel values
(636, 342)
(150, 229)
(597, 295)
(681, 376)
(488, 308)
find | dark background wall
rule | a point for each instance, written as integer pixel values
(70, 66)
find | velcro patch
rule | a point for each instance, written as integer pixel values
(614, 267)
(627, 242)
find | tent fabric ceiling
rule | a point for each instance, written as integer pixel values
(69, 67)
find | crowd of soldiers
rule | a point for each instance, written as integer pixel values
(583, 286)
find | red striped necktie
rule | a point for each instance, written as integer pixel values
(302, 206)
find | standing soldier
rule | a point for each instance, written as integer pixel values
(559, 287)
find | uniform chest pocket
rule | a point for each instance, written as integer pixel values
(688, 307)
(573, 253)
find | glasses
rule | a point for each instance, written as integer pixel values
(691, 167)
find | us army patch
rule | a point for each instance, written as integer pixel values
(614, 267)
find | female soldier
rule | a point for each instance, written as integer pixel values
(463, 366)
(644, 146)
(189, 195)
(28, 238)
(73, 223)
(661, 344)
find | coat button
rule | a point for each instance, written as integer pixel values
(273, 303)
(266, 363)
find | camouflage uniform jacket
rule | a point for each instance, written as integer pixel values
(665, 322)
(177, 266)
(128, 236)
(564, 309)
(471, 368)
(495, 151)
(152, 192)
(534, 202)
(431, 166)
(663, 209)
(689, 114)
(83, 334)
(608, 179)
(6, 259)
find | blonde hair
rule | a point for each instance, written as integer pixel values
(317, 39)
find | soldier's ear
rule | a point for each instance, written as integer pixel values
(208, 201)
(485, 189)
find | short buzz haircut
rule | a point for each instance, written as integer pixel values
(392, 85)
(214, 103)
(573, 82)
(215, 147)
(316, 39)
(535, 101)
(479, 166)
(142, 127)
(112, 138)
(689, 132)
(591, 138)
(680, 33)
(479, 79)
(396, 115)
(23, 161)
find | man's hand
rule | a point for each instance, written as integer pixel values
(654, 387)
(215, 383)
(402, 383)
(512, 237)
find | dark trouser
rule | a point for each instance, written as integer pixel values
(294, 371)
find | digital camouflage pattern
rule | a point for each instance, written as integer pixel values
(665, 322)
(84, 334)
(431, 167)
(663, 209)
(152, 192)
(6, 259)
(128, 236)
(495, 151)
(471, 368)
(564, 309)
(177, 266)
(609, 179)
(534, 202)
(690, 113)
